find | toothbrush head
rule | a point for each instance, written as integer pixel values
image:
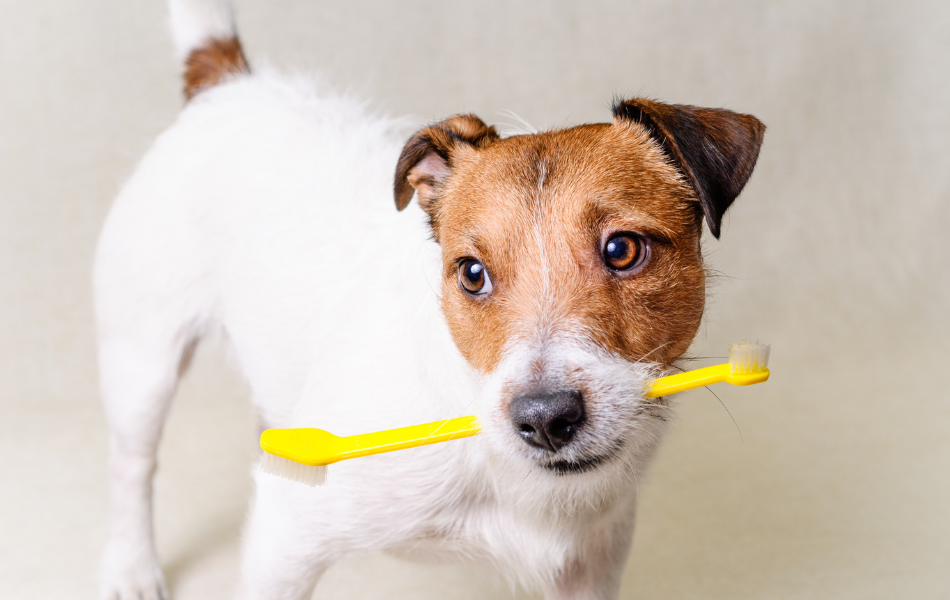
(300, 455)
(294, 471)
(748, 358)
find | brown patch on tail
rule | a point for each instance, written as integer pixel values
(213, 62)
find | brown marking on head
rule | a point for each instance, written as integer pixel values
(536, 211)
(213, 62)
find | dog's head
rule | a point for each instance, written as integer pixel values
(572, 267)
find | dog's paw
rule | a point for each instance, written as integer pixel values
(131, 575)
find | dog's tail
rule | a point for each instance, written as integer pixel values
(207, 43)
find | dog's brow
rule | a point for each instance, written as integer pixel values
(646, 228)
(605, 214)
(475, 241)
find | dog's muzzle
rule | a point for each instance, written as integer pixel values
(547, 419)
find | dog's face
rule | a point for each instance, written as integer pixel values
(572, 263)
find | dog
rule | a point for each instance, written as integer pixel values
(540, 282)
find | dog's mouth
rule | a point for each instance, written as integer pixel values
(570, 467)
(575, 466)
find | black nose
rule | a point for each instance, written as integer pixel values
(547, 419)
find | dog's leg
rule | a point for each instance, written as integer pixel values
(283, 555)
(138, 376)
(595, 573)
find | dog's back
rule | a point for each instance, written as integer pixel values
(241, 219)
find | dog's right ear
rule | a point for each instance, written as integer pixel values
(426, 160)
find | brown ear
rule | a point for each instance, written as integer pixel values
(426, 160)
(715, 149)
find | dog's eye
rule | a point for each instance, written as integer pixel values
(473, 277)
(624, 251)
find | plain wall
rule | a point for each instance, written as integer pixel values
(830, 481)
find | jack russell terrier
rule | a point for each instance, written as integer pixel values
(539, 282)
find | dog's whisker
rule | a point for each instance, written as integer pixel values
(657, 349)
(525, 126)
(524, 479)
(652, 406)
(726, 408)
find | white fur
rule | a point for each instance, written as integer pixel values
(266, 212)
(194, 22)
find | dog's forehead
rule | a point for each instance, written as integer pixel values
(569, 179)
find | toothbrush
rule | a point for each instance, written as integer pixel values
(302, 455)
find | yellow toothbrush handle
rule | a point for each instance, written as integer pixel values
(316, 447)
(407, 437)
(681, 382)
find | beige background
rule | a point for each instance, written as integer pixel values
(834, 481)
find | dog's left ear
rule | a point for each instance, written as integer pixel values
(715, 149)
(426, 159)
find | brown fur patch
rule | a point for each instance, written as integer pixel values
(536, 211)
(215, 61)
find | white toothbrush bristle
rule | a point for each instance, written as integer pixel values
(288, 469)
(748, 357)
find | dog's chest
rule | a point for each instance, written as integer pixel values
(533, 538)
